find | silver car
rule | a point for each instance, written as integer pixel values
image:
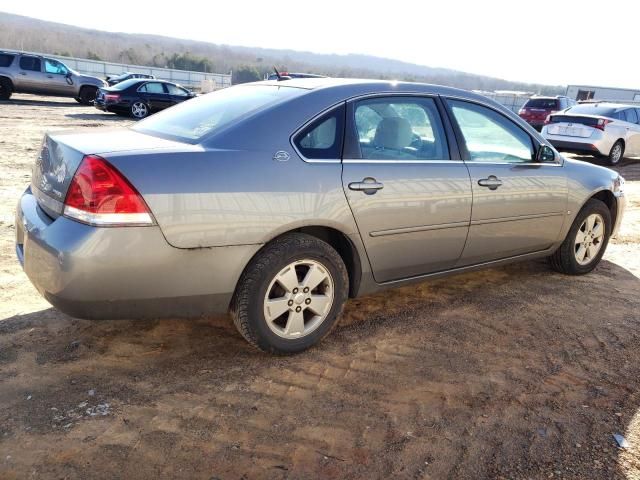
(601, 129)
(30, 73)
(277, 201)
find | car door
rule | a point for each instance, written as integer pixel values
(30, 77)
(632, 140)
(518, 204)
(155, 95)
(408, 190)
(57, 76)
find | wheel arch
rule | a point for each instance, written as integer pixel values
(338, 241)
(8, 79)
(609, 199)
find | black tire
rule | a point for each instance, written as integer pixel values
(616, 155)
(88, 95)
(248, 301)
(564, 259)
(6, 88)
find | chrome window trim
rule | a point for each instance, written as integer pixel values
(391, 161)
(531, 164)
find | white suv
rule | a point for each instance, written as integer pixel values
(601, 129)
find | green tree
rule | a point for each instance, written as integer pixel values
(245, 74)
(93, 55)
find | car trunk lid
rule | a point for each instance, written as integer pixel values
(572, 125)
(61, 153)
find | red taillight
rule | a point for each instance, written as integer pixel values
(548, 120)
(111, 98)
(100, 195)
(522, 111)
(602, 122)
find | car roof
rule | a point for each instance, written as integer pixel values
(354, 86)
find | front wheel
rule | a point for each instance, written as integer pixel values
(290, 295)
(586, 241)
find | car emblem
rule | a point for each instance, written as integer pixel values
(281, 156)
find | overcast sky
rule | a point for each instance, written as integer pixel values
(545, 41)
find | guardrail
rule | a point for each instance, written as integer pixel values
(99, 68)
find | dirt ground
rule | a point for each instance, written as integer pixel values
(509, 373)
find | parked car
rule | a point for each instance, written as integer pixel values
(536, 110)
(127, 76)
(601, 129)
(277, 201)
(289, 76)
(140, 97)
(27, 73)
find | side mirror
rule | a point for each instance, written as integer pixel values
(545, 154)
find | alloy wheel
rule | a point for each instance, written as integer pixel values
(139, 110)
(589, 239)
(616, 153)
(298, 299)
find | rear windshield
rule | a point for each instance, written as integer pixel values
(5, 59)
(592, 109)
(197, 118)
(541, 103)
(126, 84)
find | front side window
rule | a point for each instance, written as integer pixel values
(55, 67)
(400, 128)
(322, 139)
(489, 136)
(174, 90)
(30, 63)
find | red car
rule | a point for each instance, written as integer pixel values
(536, 109)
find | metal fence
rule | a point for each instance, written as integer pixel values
(98, 68)
(512, 100)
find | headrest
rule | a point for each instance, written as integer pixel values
(394, 133)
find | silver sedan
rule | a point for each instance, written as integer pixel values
(276, 201)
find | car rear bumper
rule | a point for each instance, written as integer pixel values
(122, 272)
(575, 147)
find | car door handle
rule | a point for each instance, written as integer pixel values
(368, 185)
(491, 183)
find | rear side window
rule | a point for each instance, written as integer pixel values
(6, 59)
(322, 139)
(546, 103)
(400, 128)
(630, 115)
(152, 87)
(30, 63)
(489, 136)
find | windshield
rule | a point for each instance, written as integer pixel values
(197, 118)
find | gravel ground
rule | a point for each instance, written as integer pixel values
(508, 373)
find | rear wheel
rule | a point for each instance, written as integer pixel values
(139, 110)
(88, 95)
(586, 241)
(290, 295)
(617, 153)
(6, 89)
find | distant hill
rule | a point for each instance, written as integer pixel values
(25, 33)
